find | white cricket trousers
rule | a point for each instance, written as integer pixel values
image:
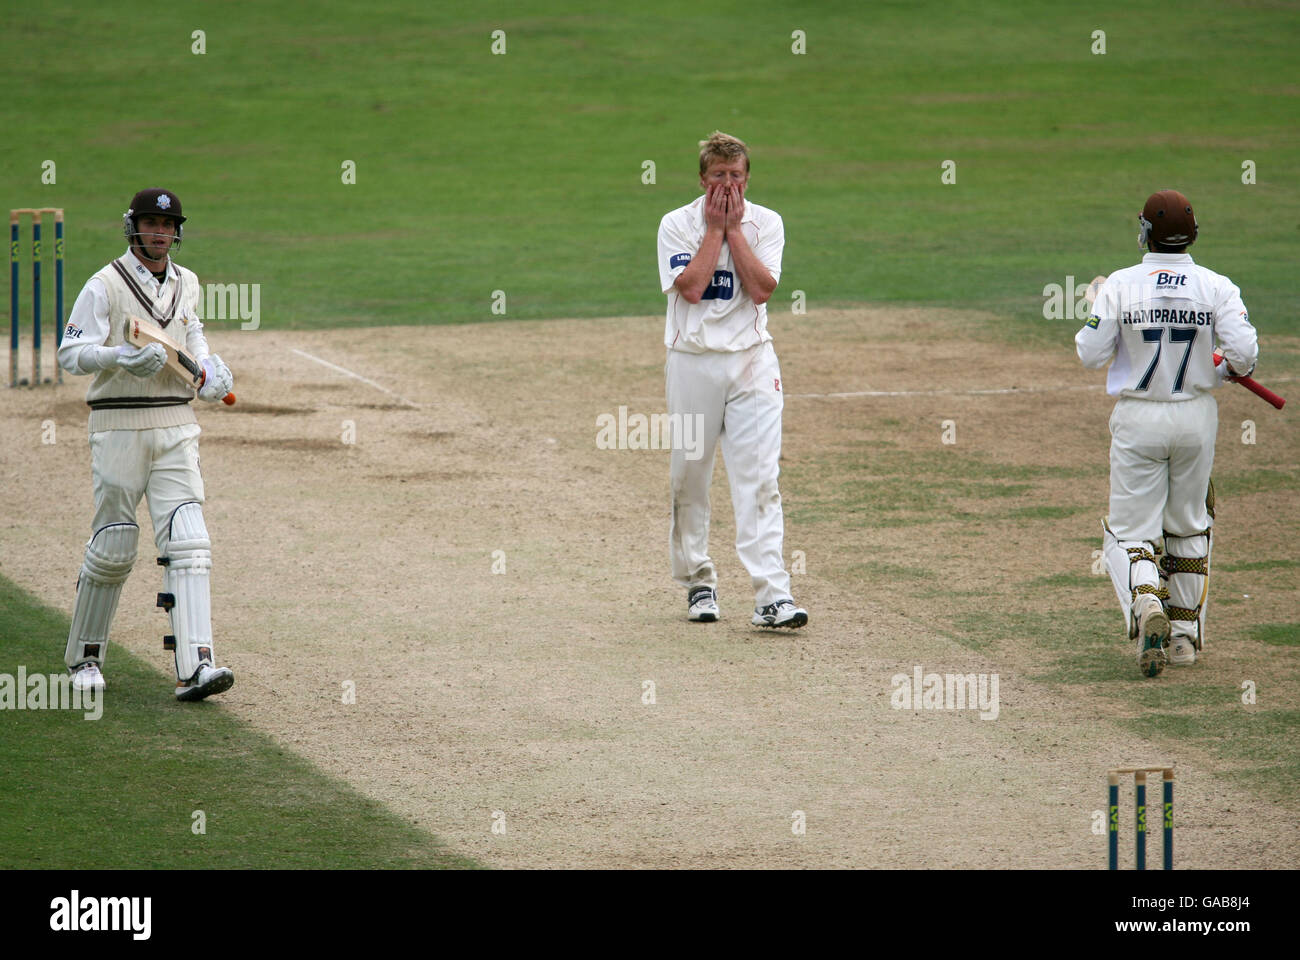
(1161, 454)
(161, 463)
(735, 397)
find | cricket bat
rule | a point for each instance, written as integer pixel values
(142, 333)
(1093, 290)
(1258, 389)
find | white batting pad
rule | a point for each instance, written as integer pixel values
(109, 557)
(1126, 574)
(186, 578)
(1189, 591)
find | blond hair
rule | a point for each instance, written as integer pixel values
(722, 146)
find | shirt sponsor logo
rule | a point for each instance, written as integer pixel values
(678, 260)
(722, 287)
(1165, 279)
(1092, 322)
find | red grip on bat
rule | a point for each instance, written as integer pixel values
(1254, 387)
(1261, 391)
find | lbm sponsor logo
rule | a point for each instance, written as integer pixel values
(721, 288)
(1164, 279)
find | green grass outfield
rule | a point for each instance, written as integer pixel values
(522, 172)
(121, 791)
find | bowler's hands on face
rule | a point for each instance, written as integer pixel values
(715, 207)
(735, 207)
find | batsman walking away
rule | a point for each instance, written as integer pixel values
(1156, 324)
(144, 442)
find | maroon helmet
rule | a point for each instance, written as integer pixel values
(1167, 219)
(155, 201)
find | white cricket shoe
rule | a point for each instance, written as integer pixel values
(783, 613)
(1182, 651)
(702, 605)
(88, 677)
(205, 682)
(1152, 634)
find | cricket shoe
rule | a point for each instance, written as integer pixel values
(783, 613)
(1182, 651)
(87, 678)
(205, 682)
(1152, 636)
(702, 605)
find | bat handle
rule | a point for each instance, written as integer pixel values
(228, 399)
(1258, 389)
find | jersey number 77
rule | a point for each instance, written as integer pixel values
(1185, 335)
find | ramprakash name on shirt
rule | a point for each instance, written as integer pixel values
(1198, 318)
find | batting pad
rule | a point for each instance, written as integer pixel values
(1131, 564)
(1187, 565)
(110, 554)
(187, 568)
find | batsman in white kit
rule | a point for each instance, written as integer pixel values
(1158, 321)
(719, 262)
(144, 441)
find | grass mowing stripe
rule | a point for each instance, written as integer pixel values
(523, 172)
(122, 791)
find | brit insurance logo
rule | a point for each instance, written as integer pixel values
(1168, 281)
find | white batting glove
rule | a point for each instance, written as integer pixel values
(141, 361)
(217, 379)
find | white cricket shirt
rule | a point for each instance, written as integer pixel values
(1159, 320)
(726, 319)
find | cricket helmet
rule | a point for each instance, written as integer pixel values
(1167, 219)
(157, 202)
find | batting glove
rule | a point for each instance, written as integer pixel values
(217, 379)
(141, 361)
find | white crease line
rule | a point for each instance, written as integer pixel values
(936, 393)
(892, 393)
(962, 393)
(355, 376)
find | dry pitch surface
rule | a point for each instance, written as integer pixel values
(522, 692)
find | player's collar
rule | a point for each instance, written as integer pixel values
(132, 263)
(1167, 258)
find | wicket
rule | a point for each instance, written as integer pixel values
(14, 218)
(1140, 791)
